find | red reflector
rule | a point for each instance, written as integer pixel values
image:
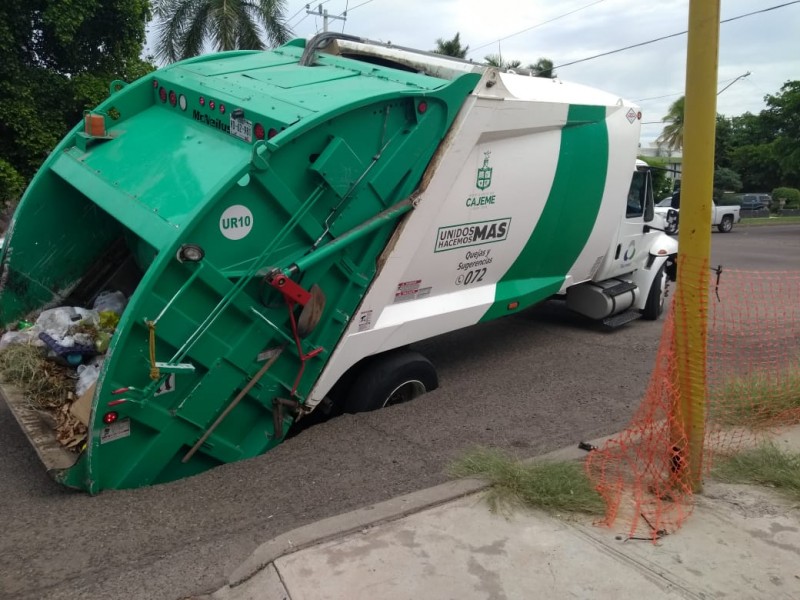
(212, 104)
(94, 125)
(155, 83)
(118, 391)
(272, 133)
(222, 109)
(115, 402)
(259, 131)
(110, 417)
(513, 305)
(162, 93)
(639, 115)
(422, 107)
(173, 98)
(202, 101)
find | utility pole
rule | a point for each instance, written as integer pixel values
(320, 12)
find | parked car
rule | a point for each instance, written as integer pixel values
(722, 217)
(756, 201)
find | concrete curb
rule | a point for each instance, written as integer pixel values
(351, 522)
(370, 516)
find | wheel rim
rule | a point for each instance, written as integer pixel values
(404, 392)
(727, 224)
(663, 294)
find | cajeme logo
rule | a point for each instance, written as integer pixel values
(471, 234)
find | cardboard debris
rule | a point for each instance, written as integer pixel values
(82, 407)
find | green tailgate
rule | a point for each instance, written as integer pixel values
(344, 142)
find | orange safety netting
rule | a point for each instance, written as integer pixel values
(752, 385)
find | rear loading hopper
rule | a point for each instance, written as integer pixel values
(241, 200)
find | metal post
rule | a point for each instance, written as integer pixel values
(320, 12)
(694, 241)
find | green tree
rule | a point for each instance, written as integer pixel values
(451, 47)
(672, 135)
(783, 117)
(543, 68)
(58, 59)
(726, 180)
(186, 27)
(494, 60)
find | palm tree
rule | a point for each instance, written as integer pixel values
(185, 26)
(494, 60)
(543, 68)
(451, 47)
(672, 135)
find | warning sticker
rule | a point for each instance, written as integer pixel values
(631, 115)
(115, 431)
(365, 320)
(168, 385)
(411, 290)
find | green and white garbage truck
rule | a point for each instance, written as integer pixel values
(286, 223)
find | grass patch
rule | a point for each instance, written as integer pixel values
(553, 487)
(757, 400)
(746, 221)
(766, 465)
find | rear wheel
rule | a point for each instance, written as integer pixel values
(391, 378)
(656, 298)
(726, 224)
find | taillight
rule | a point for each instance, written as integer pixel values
(202, 101)
(155, 83)
(272, 133)
(259, 131)
(162, 93)
(422, 107)
(173, 98)
(222, 109)
(211, 104)
(110, 417)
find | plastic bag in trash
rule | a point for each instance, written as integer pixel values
(25, 337)
(87, 375)
(110, 301)
(57, 321)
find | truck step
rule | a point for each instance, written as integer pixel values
(619, 320)
(620, 288)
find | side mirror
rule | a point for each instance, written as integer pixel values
(649, 210)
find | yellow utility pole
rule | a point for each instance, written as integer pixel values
(694, 239)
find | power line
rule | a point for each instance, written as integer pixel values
(534, 26)
(368, 1)
(732, 79)
(672, 35)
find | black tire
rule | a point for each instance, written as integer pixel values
(391, 378)
(726, 224)
(655, 299)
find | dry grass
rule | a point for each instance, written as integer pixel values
(44, 383)
(554, 487)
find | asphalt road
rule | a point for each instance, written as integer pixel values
(529, 383)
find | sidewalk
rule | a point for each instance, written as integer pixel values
(741, 542)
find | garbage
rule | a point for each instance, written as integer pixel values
(110, 301)
(26, 337)
(40, 358)
(56, 322)
(45, 384)
(87, 375)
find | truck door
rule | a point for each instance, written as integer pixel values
(631, 250)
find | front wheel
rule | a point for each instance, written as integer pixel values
(391, 378)
(657, 296)
(726, 224)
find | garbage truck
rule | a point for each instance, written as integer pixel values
(286, 223)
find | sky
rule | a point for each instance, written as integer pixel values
(767, 44)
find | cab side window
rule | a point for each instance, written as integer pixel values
(636, 196)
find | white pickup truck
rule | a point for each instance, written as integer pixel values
(722, 217)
